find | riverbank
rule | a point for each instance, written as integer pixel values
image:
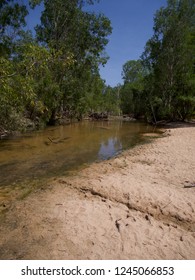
(139, 205)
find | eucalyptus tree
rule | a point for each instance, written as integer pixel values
(133, 71)
(112, 100)
(67, 27)
(12, 19)
(133, 74)
(169, 58)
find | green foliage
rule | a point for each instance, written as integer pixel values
(162, 84)
(12, 18)
(67, 28)
(132, 91)
(111, 100)
(11, 95)
(133, 71)
(55, 73)
(79, 3)
(185, 106)
(169, 58)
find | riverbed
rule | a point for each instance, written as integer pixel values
(137, 205)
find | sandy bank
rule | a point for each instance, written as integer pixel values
(132, 207)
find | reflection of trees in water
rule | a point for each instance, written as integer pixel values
(109, 148)
(85, 143)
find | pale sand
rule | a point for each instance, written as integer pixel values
(132, 207)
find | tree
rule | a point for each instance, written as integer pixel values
(169, 58)
(111, 100)
(133, 71)
(55, 73)
(132, 91)
(12, 18)
(67, 28)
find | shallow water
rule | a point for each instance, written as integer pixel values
(58, 150)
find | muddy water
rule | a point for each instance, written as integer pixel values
(58, 150)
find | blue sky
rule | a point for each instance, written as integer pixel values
(132, 22)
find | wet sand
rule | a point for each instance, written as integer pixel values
(139, 205)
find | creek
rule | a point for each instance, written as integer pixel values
(55, 151)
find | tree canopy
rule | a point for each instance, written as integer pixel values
(166, 71)
(53, 73)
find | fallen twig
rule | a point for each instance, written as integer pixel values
(189, 186)
(58, 140)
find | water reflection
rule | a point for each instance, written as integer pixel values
(109, 148)
(55, 151)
